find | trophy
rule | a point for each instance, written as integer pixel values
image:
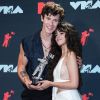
(36, 76)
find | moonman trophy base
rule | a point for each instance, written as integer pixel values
(35, 80)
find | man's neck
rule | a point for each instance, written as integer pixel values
(46, 42)
(45, 36)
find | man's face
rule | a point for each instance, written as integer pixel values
(50, 23)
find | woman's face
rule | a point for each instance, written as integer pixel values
(60, 38)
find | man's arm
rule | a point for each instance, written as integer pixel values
(24, 77)
(22, 62)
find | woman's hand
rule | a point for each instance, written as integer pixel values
(44, 84)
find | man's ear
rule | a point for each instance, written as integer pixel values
(41, 18)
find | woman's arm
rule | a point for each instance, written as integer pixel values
(71, 63)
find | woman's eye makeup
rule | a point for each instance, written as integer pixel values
(61, 32)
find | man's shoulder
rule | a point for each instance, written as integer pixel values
(31, 37)
(28, 37)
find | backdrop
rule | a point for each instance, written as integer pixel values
(19, 18)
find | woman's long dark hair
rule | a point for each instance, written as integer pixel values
(73, 44)
(72, 37)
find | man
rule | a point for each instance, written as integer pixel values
(38, 46)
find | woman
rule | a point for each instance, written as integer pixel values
(65, 74)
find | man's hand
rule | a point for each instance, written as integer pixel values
(27, 82)
(79, 61)
(30, 86)
(35, 87)
(42, 85)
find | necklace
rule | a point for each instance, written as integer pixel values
(45, 44)
(46, 49)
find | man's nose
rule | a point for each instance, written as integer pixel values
(51, 23)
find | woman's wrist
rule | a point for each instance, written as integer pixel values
(51, 83)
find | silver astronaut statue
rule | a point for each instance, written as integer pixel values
(36, 76)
